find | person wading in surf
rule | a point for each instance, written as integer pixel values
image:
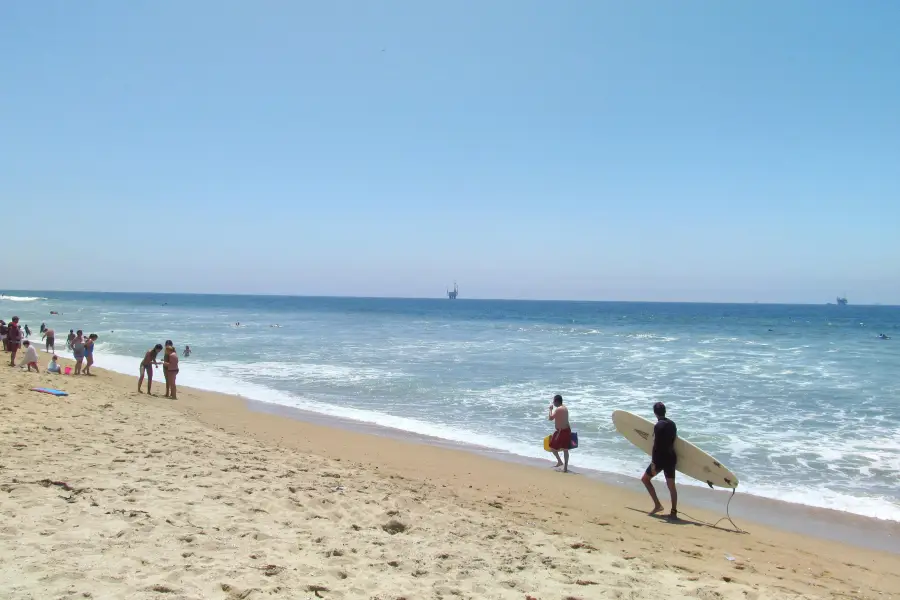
(663, 459)
(562, 437)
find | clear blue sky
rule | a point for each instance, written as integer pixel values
(604, 150)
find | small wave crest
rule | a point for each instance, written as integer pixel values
(20, 298)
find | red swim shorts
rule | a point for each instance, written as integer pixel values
(561, 439)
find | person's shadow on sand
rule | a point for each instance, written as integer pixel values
(681, 520)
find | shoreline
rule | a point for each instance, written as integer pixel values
(206, 495)
(826, 523)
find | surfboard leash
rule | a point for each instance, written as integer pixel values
(727, 516)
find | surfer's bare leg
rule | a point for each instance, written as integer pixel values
(566, 456)
(673, 493)
(559, 462)
(647, 480)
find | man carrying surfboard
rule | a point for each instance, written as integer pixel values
(562, 437)
(663, 459)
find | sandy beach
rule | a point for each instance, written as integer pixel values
(108, 493)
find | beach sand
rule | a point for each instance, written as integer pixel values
(108, 493)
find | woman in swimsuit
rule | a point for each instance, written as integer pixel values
(78, 350)
(169, 349)
(147, 366)
(89, 352)
(172, 373)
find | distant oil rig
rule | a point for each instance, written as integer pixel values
(842, 300)
(452, 294)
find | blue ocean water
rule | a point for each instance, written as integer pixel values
(802, 402)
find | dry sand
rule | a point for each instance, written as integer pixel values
(112, 494)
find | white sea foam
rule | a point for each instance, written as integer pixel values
(20, 298)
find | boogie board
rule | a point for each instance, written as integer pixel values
(50, 391)
(572, 445)
(692, 461)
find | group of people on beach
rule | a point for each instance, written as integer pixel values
(15, 336)
(169, 366)
(662, 458)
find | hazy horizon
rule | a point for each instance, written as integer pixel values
(37, 293)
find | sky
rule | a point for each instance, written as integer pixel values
(696, 150)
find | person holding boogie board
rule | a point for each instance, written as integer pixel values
(562, 436)
(663, 459)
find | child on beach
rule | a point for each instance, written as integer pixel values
(53, 367)
(31, 357)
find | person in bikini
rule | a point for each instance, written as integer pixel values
(168, 351)
(663, 459)
(147, 366)
(172, 372)
(562, 436)
(89, 353)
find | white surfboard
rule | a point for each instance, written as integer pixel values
(692, 461)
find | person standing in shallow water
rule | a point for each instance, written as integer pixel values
(50, 339)
(562, 436)
(663, 459)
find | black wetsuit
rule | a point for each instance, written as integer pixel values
(663, 456)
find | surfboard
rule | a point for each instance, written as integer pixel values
(50, 391)
(572, 445)
(692, 461)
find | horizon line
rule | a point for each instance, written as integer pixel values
(444, 298)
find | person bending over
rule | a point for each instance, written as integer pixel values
(147, 366)
(31, 357)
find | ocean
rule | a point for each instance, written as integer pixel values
(802, 402)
